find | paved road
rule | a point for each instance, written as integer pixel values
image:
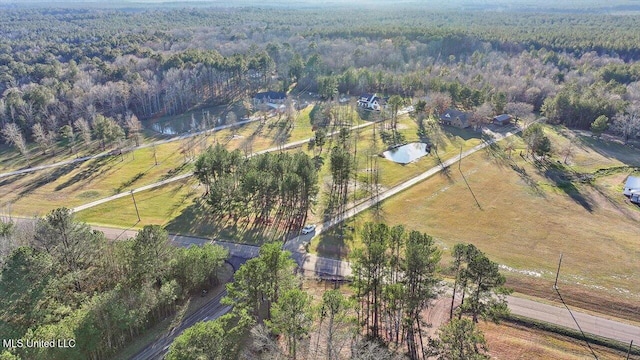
(331, 268)
(336, 268)
(589, 323)
(211, 310)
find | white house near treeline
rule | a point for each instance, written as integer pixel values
(632, 186)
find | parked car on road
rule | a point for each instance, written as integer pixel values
(308, 229)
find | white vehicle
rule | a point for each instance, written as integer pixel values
(308, 229)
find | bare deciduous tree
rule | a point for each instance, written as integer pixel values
(627, 124)
(134, 127)
(231, 120)
(13, 135)
(45, 139)
(85, 131)
(519, 109)
(481, 115)
(440, 102)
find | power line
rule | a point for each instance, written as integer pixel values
(584, 336)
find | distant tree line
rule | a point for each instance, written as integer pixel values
(186, 59)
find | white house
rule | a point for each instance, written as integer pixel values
(632, 186)
(269, 97)
(370, 102)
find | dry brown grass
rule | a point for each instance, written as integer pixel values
(510, 341)
(528, 217)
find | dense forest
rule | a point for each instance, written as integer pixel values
(66, 67)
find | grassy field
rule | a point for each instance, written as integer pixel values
(75, 184)
(511, 341)
(178, 208)
(530, 214)
(71, 185)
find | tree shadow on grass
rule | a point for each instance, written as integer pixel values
(615, 204)
(11, 179)
(332, 243)
(95, 168)
(453, 132)
(47, 177)
(198, 220)
(563, 179)
(609, 149)
(497, 155)
(194, 219)
(129, 182)
(528, 180)
(174, 172)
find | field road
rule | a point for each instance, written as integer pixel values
(336, 268)
(290, 145)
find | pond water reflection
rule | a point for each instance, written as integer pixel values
(407, 153)
(181, 126)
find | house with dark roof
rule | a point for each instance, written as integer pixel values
(371, 102)
(455, 117)
(269, 97)
(503, 119)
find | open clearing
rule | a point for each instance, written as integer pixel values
(529, 215)
(176, 206)
(510, 341)
(75, 184)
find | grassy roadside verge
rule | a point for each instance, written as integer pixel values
(574, 334)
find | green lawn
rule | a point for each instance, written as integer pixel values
(177, 206)
(72, 185)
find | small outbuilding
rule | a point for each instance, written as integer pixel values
(502, 120)
(632, 186)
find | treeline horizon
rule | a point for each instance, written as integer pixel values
(62, 65)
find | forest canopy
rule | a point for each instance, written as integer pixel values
(61, 65)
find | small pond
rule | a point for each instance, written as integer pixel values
(407, 153)
(181, 126)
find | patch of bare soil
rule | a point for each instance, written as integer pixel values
(437, 314)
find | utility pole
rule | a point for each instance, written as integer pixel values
(555, 285)
(135, 205)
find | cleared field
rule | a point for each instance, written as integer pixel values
(510, 341)
(529, 214)
(75, 184)
(155, 206)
